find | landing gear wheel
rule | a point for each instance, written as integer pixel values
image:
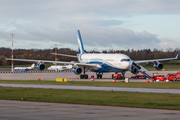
(97, 76)
(81, 76)
(84, 76)
(100, 76)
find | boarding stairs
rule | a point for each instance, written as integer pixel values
(142, 70)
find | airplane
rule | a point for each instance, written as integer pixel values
(25, 68)
(101, 63)
(58, 67)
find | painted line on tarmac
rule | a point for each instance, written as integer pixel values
(125, 89)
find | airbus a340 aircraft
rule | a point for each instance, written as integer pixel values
(101, 63)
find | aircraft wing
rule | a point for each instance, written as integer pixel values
(58, 62)
(155, 60)
(39, 61)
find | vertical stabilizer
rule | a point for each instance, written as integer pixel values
(33, 65)
(80, 44)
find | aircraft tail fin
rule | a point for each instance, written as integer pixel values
(33, 65)
(80, 44)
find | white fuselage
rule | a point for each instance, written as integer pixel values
(58, 67)
(23, 68)
(108, 62)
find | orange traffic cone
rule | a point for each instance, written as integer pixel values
(22, 98)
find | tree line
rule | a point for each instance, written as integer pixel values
(45, 54)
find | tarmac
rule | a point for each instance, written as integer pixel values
(70, 76)
(23, 110)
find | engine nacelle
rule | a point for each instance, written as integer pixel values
(134, 70)
(158, 66)
(40, 66)
(77, 70)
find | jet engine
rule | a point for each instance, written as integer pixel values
(158, 66)
(134, 70)
(77, 70)
(40, 66)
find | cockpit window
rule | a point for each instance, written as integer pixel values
(122, 60)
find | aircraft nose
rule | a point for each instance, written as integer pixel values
(128, 65)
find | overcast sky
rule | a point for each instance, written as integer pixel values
(104, 24)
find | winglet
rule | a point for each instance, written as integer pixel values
(177, 56)
(4, 56)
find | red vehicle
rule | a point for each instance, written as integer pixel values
(174, 76)
(155, 77)
(178, 76)
(171, 77)
(117, 76)
(138, 77)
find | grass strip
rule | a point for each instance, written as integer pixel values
(104, 98)
(169, 85)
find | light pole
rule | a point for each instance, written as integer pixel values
(12, 52)
(56, 56)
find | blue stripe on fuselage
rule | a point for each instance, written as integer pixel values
(24, 69)
(105, 67)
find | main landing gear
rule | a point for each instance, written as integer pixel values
(99, 75)
(84, 76)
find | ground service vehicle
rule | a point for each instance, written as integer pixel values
(178, 77)
(171, 77)
(174, 76)
(117, 76)
(156, 76)
(139, 77)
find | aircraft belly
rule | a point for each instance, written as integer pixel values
(106, 68)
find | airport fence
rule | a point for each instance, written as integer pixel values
(48, 71)
(33, 71)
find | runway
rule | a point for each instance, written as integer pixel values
(69, 75)
(22, 110)
(127, 89)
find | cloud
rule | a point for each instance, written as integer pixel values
(170, 42)
(40, 22)
(54, 9)
(120, 38)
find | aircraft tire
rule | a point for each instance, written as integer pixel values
(82, 76)
(100, 76)
(86, 76)
(97, 76)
